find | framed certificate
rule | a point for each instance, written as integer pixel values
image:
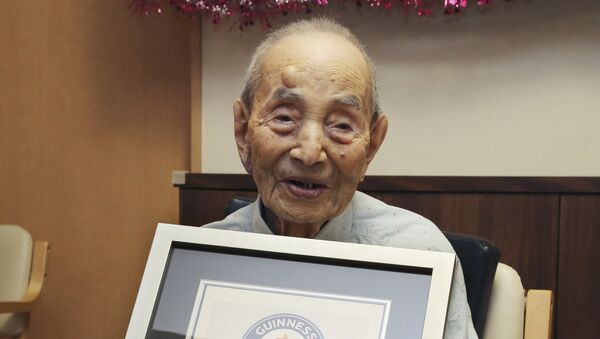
(204, 283)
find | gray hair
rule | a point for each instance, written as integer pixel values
(321, 25)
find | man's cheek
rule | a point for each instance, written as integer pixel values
(350, 162)
(262, 175)
(266, 148)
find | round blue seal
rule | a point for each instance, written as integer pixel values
(284, 326)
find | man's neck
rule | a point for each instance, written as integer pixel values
(283, 227)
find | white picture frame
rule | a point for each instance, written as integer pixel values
(209, 283)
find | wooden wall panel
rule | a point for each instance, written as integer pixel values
(546, 228)
(200, 207)
(578, 299)
(523, 226)
(94, 116)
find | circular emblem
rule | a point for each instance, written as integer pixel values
(284, 326)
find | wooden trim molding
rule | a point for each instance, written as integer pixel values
(196, 95)
(454, 184)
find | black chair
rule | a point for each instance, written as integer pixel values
(479, 259)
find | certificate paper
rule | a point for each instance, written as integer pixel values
(231, 310)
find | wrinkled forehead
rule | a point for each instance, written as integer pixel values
(315, 56)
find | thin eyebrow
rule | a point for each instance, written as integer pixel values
(283, 93)
(348, 100)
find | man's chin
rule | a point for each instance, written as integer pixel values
(301, 210)
(301, 215)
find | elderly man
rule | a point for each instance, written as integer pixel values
(307, 126)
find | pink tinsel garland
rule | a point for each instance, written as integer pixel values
(250, 11)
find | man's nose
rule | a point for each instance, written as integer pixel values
(309, 148)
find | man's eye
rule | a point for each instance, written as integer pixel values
(342, 132)
(283, 118)
(282, 121)
(344, 127)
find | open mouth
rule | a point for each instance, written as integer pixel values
(305, 185)
(304, 189)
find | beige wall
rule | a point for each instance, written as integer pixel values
(513, 91)
(94, 116)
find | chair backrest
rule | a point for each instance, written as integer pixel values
(16, 249)
(507, 306)
(478, 258)
(237, 203)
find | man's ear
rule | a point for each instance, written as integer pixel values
(241, 117)
(378, 131)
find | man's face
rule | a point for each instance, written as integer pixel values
(309, 136)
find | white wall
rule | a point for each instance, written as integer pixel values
(514, 90)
